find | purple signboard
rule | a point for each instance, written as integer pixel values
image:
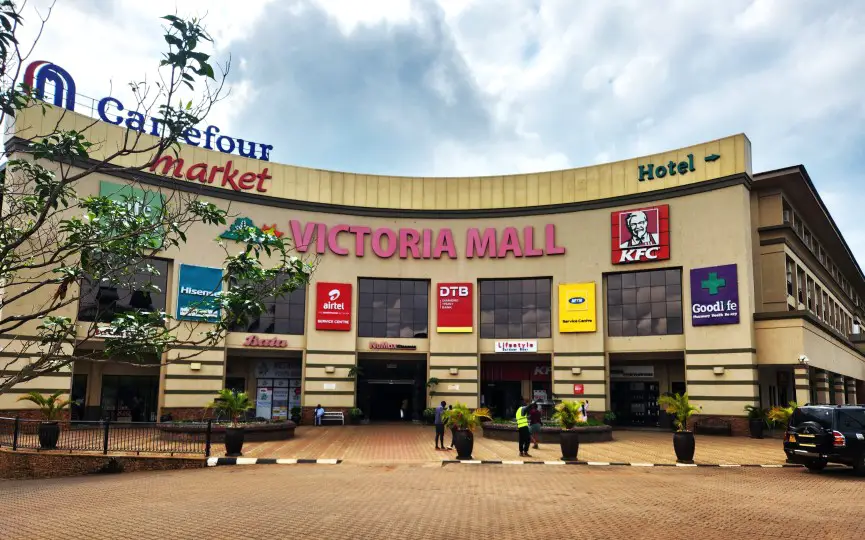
(714, 295)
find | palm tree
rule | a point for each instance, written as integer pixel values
(680, 406)
(231, 403)
(50, 406)
(463, 418)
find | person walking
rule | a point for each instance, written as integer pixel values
(523, 427)
(535, 424)
(440, 426)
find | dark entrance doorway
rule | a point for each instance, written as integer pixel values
(635, 403)
(392, 389)
(508, 379)
(129, 398)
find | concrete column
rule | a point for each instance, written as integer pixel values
(850, 383)
(821, 384)
(801, 379)
(839, 390)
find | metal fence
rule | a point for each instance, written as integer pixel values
(103, 436)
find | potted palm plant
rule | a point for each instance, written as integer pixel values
(463, 421)
(355, 415)
(50, 407)
(781, 415)
(683, 439)
(567, 416)
(756, 420)
(232, 404)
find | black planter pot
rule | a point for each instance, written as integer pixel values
(233, 441)
(570, 443)
(756, 428)
(464, 442)
(684, 445)
(49, 433)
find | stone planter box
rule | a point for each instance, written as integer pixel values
(277, 431)
(548, 435)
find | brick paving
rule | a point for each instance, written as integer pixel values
(433, 502)
(382, 444)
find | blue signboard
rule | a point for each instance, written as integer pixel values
(196, 298)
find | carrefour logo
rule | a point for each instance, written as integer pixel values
(40, 73)
(576, 300)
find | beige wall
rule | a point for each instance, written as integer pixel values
(783, 341)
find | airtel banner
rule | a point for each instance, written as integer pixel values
(455, 308)
(333, 306)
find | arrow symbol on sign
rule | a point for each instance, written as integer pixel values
(712, 157)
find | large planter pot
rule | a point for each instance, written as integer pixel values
(49, 433)
(464, 442)
(233, 441)
(570, 443)
(684, 445)
(756, 428)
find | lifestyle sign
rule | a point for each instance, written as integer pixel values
(714, 295)
(408, 243)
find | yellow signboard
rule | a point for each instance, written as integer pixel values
(577, 312)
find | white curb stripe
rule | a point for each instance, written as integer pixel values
(599, 463)
(211, 461)
(286, 461)
(326, 461)
(554, 462)
(686, 464)
(471, 461)
(642, 464)
(512, 462)
(771, 466)
(729, 465)
(247, 461)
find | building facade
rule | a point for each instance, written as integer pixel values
(616, 283)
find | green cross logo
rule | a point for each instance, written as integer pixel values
(713, 283)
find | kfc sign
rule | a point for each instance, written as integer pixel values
(641, 235)
(455, 308)
(333, 306)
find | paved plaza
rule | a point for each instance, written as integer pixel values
(386, 444)
(436, 502)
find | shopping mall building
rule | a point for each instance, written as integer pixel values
(615, 283)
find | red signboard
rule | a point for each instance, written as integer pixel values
(579, 389)
(641, 234)
(516, 371)
(333, 306)
(455, 308)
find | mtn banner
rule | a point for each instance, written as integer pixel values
(577, 311)
(714, 295)
(333, 306)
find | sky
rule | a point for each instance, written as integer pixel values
(476, 87)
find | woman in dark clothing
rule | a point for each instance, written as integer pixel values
(535, 424)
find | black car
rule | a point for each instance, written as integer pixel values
(821, 434)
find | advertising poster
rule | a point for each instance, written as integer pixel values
(577, 312)
(196, 298)
(641, 234)
(280, 403)
(333, 306)
(455, 308)
(263, 402)
(714, 295)
(139, 201)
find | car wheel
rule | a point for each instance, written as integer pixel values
(859, 466)
(816, 465)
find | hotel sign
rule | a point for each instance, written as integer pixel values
(517, 346)
(714, 295)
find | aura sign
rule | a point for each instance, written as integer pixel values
(410, 243)
(39, 73)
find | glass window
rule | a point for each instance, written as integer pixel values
(791, 268)
(284, 315)
(819, 415)
(516, 308)
(651, 306)
(141, 291)
(393, 308)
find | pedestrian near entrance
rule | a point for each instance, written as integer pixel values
(535, 424)
(440, 426)
(523, 426)
(453, 430)
(319, 413)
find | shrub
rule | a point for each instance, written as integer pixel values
(461, 417)
(568, 414)
(50, 406)
(680, 406)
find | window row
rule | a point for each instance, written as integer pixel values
(793, 219)
(805, 293)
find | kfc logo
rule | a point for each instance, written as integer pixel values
(641, 235)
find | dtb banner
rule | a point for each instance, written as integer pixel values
(455, 308)
(196, 300)
(577, 311)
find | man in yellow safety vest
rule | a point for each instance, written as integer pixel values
(523, 426)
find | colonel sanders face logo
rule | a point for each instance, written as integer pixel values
(642, 227)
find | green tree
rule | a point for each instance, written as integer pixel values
(54, 236)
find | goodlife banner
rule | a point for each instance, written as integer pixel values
(333, 306)
(455, 308)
